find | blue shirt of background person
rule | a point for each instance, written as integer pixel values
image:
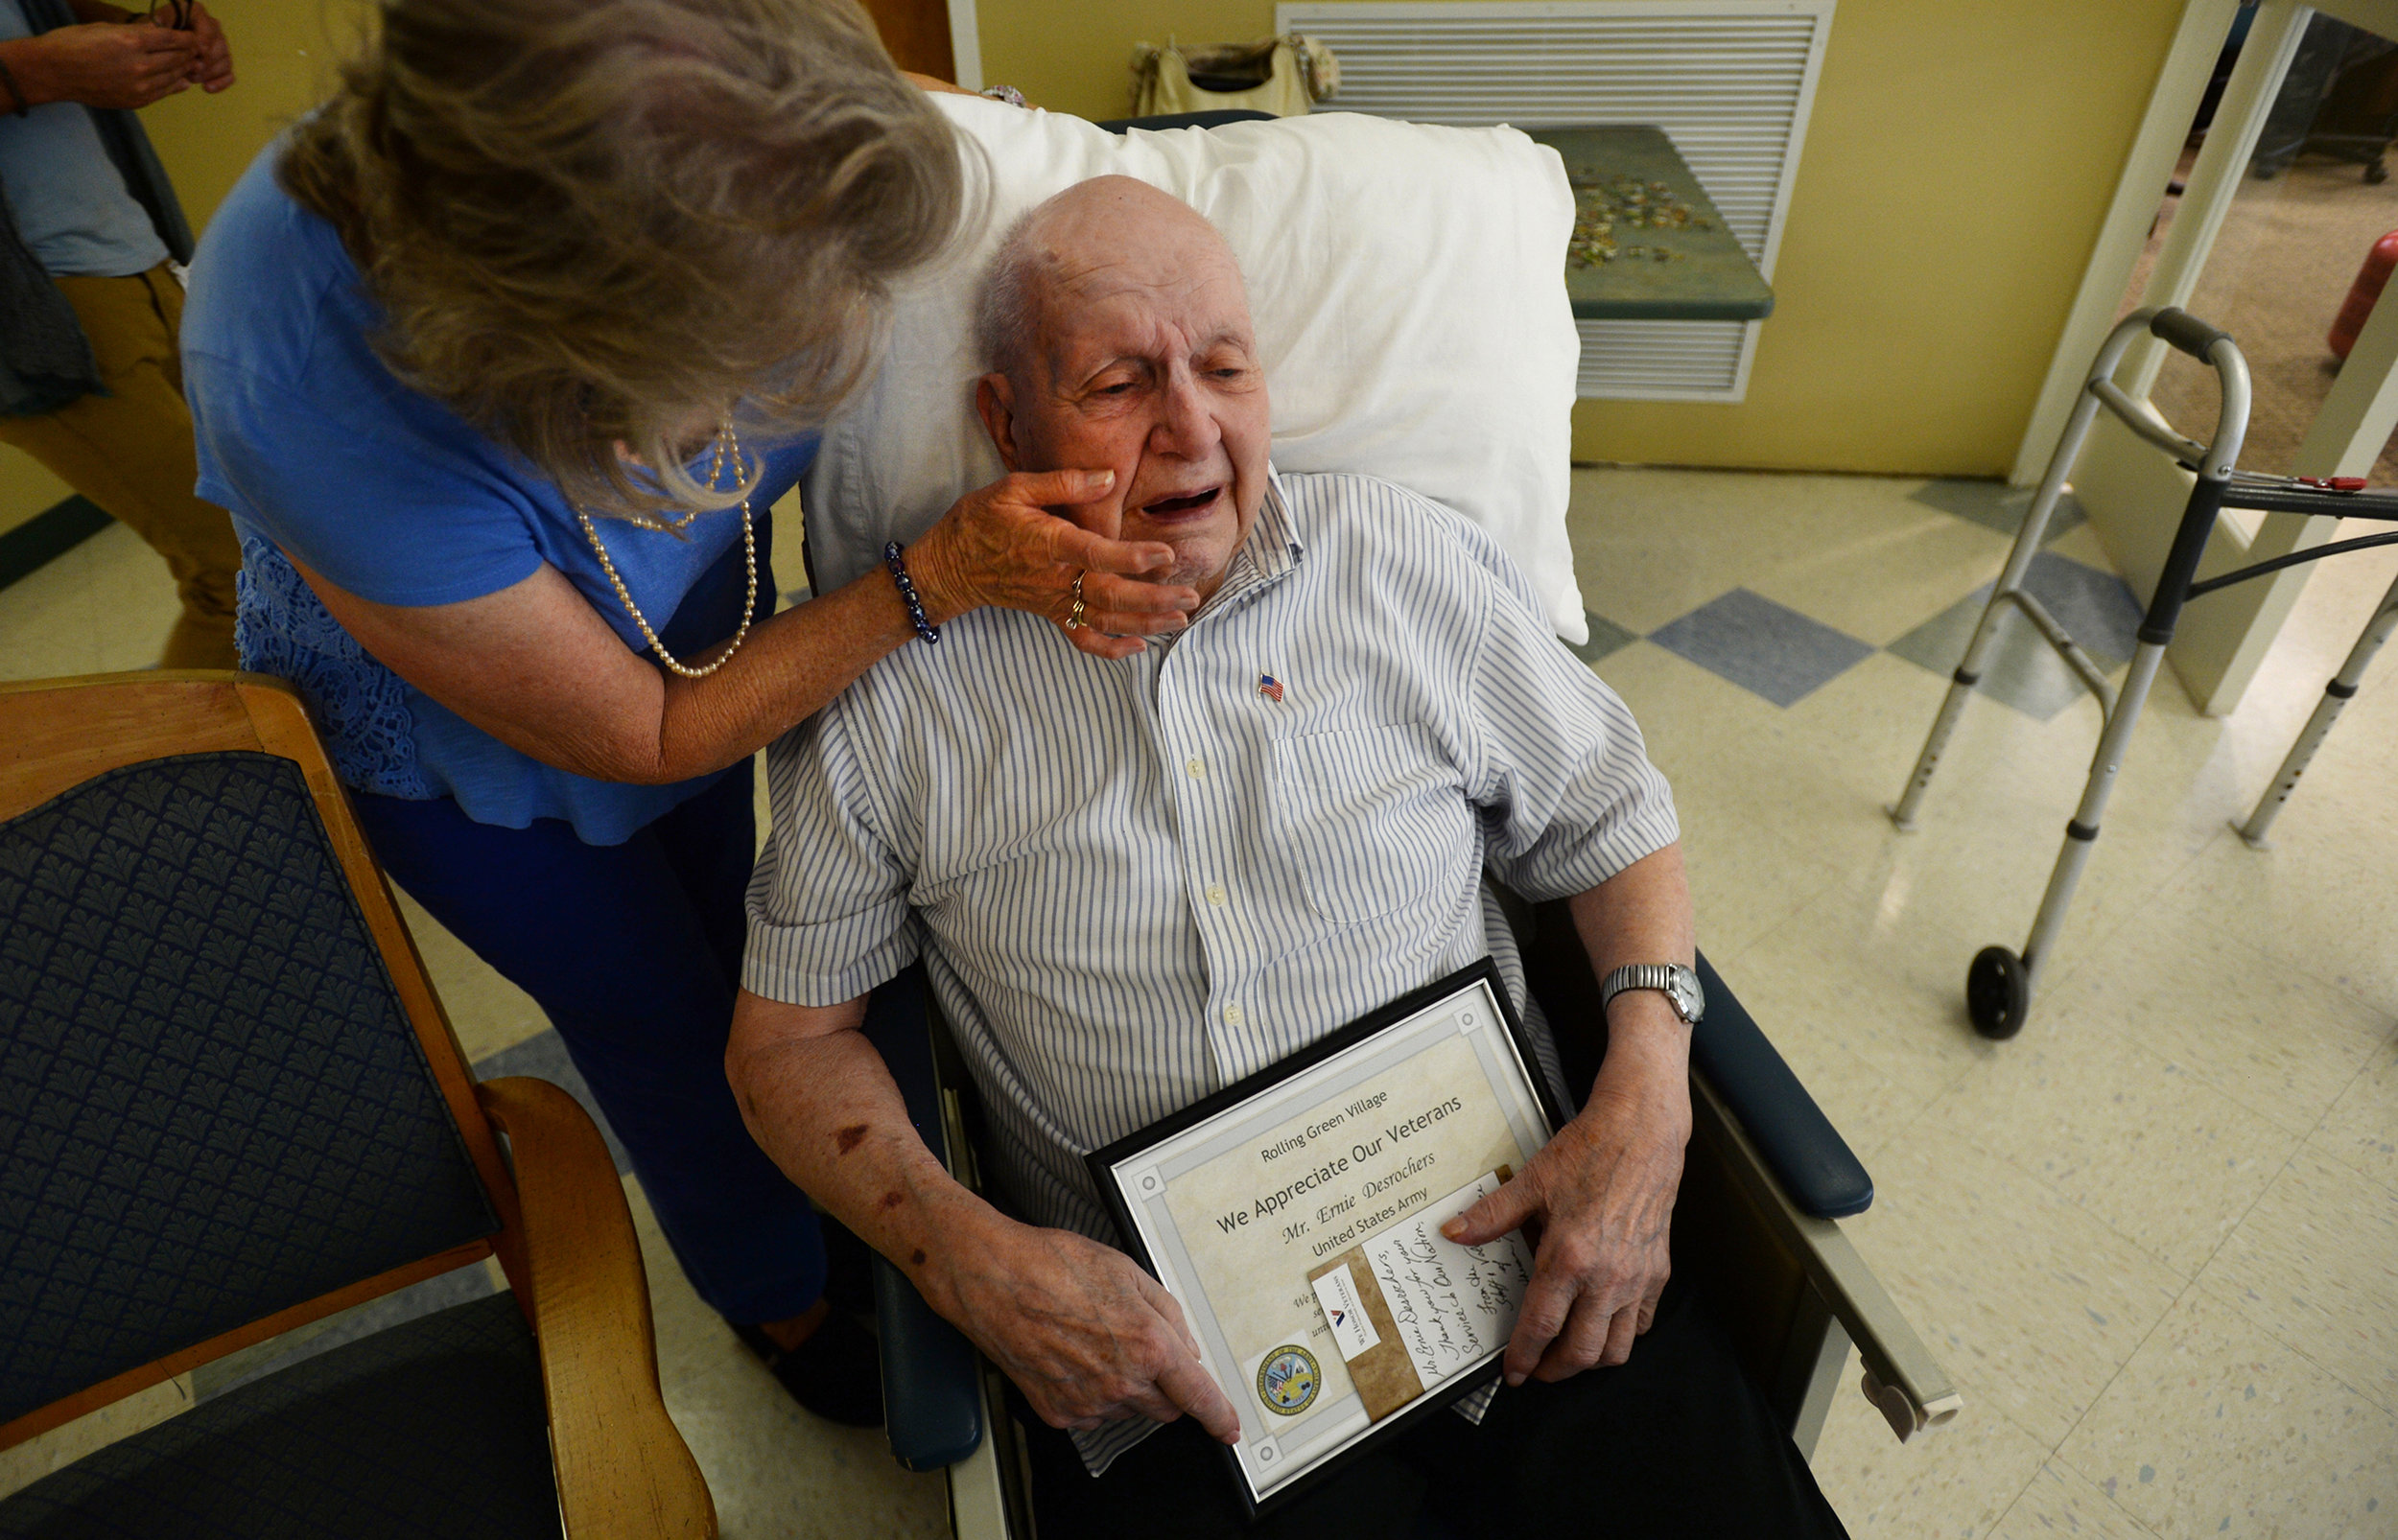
(398, 500)
(67, 197)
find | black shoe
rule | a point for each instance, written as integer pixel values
(848, 1268)
(836, 1373)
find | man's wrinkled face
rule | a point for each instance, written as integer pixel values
(1142, 361)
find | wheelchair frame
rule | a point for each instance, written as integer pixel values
(1790, 1287)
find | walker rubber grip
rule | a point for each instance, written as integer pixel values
(2186, 332)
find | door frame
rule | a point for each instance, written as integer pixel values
(2215, 661)
(965, 45)
(2172, 103)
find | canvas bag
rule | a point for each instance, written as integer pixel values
(1291, 72)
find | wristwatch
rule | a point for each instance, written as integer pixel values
(1678, 984)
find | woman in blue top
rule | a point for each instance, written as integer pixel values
(498, 361)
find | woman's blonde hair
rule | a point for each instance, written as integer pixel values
(594, 223)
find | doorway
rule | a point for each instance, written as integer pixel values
(2279, 207)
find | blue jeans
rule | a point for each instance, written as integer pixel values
(634, 952)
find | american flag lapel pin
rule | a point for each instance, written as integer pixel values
(1269, 686)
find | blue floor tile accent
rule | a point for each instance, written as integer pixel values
(1762, 646)
(1996, 505)
(2094, 607)
(1606, 637)
(545, 1058)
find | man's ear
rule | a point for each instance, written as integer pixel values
(995, 401)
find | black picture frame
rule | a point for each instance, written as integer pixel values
(1102, 1163)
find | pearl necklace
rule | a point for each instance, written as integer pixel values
(727, 446)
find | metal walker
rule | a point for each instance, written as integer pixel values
(1999, 984)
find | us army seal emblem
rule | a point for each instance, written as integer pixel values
(1289, 1379)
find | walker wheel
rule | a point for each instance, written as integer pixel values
(1998, 996)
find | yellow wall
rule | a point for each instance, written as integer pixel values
(283, 57)
(1961, 158)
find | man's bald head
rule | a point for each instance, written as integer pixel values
(1093, 224)
(1117, 338)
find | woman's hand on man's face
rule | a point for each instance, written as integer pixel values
(1012, 544)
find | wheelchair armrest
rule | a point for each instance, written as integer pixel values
(932, 1389)
(1798, 1143)
(931, 1392)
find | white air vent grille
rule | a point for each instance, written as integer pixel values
(1730, 81)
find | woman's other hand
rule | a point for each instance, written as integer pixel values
(1007, 545)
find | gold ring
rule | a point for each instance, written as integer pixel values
(1074, 617)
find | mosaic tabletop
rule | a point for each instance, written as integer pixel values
(1648, 244)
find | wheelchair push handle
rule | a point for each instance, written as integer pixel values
(2185, 332)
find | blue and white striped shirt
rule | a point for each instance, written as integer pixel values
(1135, 883)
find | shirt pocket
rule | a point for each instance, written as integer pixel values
(1372, 821)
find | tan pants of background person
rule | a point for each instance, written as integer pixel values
(131, 451)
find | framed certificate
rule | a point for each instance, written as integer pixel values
(1296, 1217)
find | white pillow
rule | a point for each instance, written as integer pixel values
(1408, 286)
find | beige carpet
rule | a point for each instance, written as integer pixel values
(2289, 249)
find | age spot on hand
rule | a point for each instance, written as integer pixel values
(850, 1137)
(916, 1258)
(890, 1200)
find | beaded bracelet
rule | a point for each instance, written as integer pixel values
(908, 593)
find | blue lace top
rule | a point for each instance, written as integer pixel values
(360, 705)
(323, 458)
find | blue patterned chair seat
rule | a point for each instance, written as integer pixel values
(428, 1430)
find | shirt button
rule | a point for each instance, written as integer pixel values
(1233, 1016)
(1215, 894)
(1197, 767)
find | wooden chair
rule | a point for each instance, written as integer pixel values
(230, 1105)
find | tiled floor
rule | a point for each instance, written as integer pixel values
(2155, 1239)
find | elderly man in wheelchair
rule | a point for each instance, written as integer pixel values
(1139, 877)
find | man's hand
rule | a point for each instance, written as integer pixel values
(104, 66)
(1602, 1193)
(212, 67)
(1084, 1333)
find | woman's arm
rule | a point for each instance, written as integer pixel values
(536, 668)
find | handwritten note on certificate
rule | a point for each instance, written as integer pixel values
(1452, 1305)
(1411, 1308)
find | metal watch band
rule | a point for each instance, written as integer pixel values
(1678, 984)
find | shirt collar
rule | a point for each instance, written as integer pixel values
(1270, 553)
(1274, 541)
(1273, 547)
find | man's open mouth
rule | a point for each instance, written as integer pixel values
(1189, 503)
